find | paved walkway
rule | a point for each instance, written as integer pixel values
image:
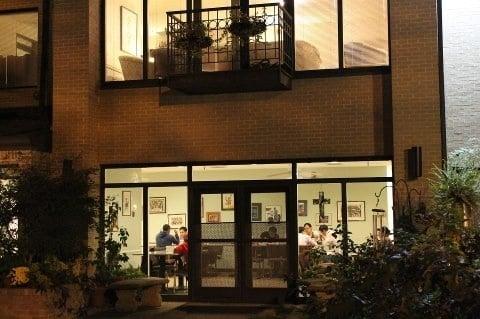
(182, 310)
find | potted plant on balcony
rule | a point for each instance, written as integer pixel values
(192, 38)
(245, 26)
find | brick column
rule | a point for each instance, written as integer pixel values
(415, 84)
(73, 101)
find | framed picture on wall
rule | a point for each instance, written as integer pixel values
(355, 211)
(213, 217)
(176, 220)
(256, 212)
(302, 208)
(157, 205)
(325, 220)
(273, 213)
(126, 203)
(128, 31)
(228, 201)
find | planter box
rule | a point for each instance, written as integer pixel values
(19, 303)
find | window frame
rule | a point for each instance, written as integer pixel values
(342, 70)
(39, 42)
(288, 4)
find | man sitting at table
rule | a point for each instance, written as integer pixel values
(327, 238)
(165, 239)
(305, 236)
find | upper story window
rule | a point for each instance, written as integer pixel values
(320, 24)
(329, 34)
(124, 38)
(18, 49)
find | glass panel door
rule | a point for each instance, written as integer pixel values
(217, 259)
(215, 244)
(240, 240)
(268, 240)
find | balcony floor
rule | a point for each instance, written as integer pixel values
(231, 81)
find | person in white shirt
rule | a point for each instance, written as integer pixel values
(305, 236)
(326, 237)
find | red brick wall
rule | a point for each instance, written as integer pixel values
(24, 304)
(327, 117)
(319, 118)
(415, 83)
(73, 118)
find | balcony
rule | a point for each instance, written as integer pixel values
(230, 49)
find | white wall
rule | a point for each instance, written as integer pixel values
(133, 223)
(176, 203)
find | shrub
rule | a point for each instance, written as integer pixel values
(432, 270)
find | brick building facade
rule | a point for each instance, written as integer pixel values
(364, 115)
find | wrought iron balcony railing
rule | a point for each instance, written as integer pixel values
(257, 37)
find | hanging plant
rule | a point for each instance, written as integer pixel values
(193, 38)
(245, 26)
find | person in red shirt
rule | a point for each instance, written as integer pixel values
(182, 251)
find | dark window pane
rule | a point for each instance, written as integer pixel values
(316, 35)
(365, 33)
(123, 40)
(18, 49)
(218, 265)
(269, 265)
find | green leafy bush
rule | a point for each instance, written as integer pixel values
(431, 270)
(54, 213)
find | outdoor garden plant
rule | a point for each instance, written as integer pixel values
(431, 270)
(44, 221)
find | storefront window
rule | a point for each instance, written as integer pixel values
(125, 205)
(344, 169)
(146, 174)
(242, 172)
(167, 228)
(363, 223)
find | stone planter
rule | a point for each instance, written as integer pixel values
(19, 303)
(97, 298)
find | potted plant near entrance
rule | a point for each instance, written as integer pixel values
(44, 221)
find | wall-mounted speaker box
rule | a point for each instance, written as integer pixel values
(414, 162)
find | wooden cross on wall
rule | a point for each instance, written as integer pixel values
(321, 201)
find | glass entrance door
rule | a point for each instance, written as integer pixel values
(240, 243)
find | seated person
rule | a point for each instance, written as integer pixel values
(326, 237)
(270, 234)
(182, 232)
(182, 251)
(162, 240)
(165, 239)
(305, 236)
(383, 234)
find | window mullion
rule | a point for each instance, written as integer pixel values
(145, 39)
(340, 33)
